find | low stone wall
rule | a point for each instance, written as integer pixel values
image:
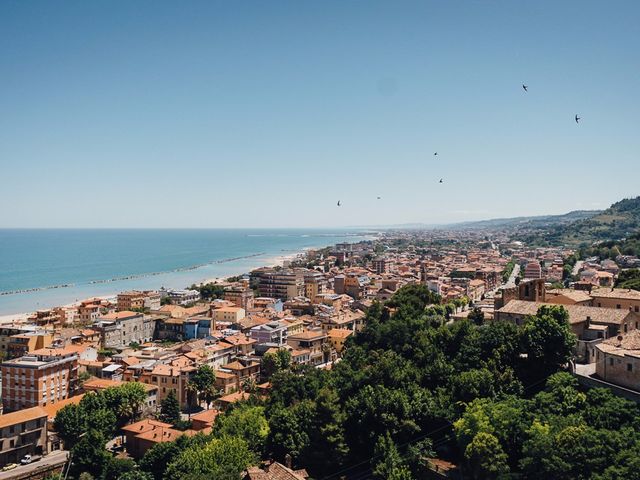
(592, 382)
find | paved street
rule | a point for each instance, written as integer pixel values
(56, 458)
(512, 278)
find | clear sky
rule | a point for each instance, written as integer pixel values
(259, 114)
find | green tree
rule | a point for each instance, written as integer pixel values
(210, 394)
(136, 475)
(192, 395)
(476, 316)
(222, 458)
(89, 455)
(246, 422)
(548, 339)
(388, 462)
(170, 408)
(485, 457)
(70, 423)
(115, 468)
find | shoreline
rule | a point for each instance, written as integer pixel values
(272, 261)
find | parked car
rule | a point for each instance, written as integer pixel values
(9, 466)
(27, 459)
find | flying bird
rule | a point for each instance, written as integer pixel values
(379, 198)
(525, 87)
(577, 118)
(338, 202)
(435, 154)
(441, 181)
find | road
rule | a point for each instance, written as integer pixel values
(58, 457)
(512, 278)
(577, 267)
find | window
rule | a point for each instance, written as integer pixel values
(12, 443)
(629, 367)
(618, 305)
(611, 361)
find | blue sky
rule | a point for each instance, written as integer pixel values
(264, 114)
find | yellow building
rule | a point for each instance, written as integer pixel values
(337, 338)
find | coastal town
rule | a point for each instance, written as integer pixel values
(201, 352)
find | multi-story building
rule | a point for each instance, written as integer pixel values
(533, 270)
(380, 265)
(618, 360)
(28, 342)
(272, 333)
(119, 329)
(22, 433)
(315, 284)
(46, 318)
(312, 340)
(181, 297)
(228, 314)
(279, 283)
(620, 298)
(39, 379)
(136, 300)
(240, 296)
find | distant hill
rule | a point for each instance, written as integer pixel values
(620, 220)
(533, 222)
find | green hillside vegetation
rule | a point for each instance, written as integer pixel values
(629, 279)
(612, 248)
(619, 221)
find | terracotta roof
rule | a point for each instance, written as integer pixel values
(627, 344)
(276, 471)
(339, 333)
(234, 397)
(22, 416)
(119, 315)
(53, 408)
(206, 416)
(144, 426)
(577, 313)
(622, 293)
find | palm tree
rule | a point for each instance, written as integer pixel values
(249, 385)
(210, 394)
(192, 395)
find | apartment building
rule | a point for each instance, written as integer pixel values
(312, 340)
(272, 333)
(533, 270)
(137, 300)
(315, 283)
(240, 296)
(279, 283)
(119, 329)
(228, 314)
(22, 433)
(381, 265)
(45, 377)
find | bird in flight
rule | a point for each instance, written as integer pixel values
(435, 154)
(577, 118)
(524, 87)
(379, 198)
(441, 181)
(338, 202)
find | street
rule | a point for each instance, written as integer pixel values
(512, 278)
(58, 457)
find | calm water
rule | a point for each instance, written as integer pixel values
(96, 262)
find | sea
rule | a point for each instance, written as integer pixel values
(43, 268)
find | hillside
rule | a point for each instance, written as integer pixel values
(532, 222)
(619, 221)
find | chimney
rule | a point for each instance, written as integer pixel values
(287, 460)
